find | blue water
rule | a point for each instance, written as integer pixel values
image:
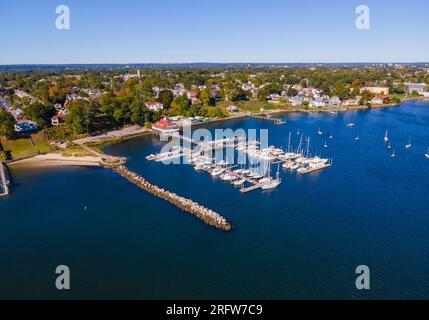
(302, 240)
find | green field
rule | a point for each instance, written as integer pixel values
(21, 147)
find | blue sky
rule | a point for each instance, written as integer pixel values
(145, 31)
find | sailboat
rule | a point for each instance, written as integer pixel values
(331, 136)
(409, 145)
(319, 132)
(386, 137)
(273, 183)
(393, 154)
(427, 153)
(298, 133)
(350, 125)
(325, 145)
(389, 146)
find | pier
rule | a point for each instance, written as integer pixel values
(206, 215)
(4, 183)
(268, 118)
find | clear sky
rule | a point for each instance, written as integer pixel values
(167, 31)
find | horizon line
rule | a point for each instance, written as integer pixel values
(208, 62)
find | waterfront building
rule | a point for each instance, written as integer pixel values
(165, 126)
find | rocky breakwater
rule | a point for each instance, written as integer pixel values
(208, 216)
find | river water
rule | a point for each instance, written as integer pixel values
(302, 240)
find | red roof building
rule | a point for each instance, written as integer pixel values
(165, 126)
(57, 119)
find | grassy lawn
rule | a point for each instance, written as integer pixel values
(75, 151)
(22, 147)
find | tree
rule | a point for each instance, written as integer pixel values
(40, 114)
(181, 106)
(206, 97)
(81, 116)
(7, 124)
(138, 111)
(166, 97)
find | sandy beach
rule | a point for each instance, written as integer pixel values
(56, 159)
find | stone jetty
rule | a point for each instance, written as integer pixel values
(4, 187)
(208, 216)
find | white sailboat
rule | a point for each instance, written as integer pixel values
(350, 125)
(427, 154)
(408, 145)
(273, 183)
(393, 155)
(331, 136)
(389, 146)
(386, 137)
(325, 145)
(319, 132)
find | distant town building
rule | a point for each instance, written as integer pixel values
(416, 87)
(376, 90)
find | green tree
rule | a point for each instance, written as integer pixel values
(7, 124)
(166, 97)
(81, 116)
(40, 114)
(138, 111)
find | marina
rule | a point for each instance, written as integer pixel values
(255, 172)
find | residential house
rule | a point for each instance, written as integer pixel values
(334, 101)
(58, 119)
(382, 99)
(296, 101)
(317, 103)
(154, 106)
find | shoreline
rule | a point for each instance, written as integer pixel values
(56, 159)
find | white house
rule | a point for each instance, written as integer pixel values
(154, 106)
